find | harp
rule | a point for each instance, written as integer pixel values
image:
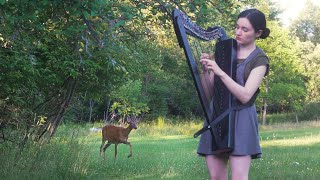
(218, 111)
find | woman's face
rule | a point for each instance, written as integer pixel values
(245, 33)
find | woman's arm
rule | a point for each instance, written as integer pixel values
(242, 93)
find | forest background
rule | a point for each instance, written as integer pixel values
(99, 61)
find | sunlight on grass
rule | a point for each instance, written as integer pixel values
(177, 137)
(160, 128)
(287, 126)
(301, 141)
(170, 173)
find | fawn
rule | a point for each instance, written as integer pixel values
(117, 135)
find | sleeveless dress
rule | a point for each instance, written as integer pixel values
(246, 139)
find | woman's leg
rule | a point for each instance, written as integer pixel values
(240, 166)
(217, 167)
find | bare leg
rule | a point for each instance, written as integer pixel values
(240, 166)
(217, 167)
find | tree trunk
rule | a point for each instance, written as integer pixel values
(63, 107)
(91, 103)
(264, 115)
(265, 105)
(59, 111)
(106, 112)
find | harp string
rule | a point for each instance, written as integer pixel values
(197, 49)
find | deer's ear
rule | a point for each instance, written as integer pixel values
(129, 119)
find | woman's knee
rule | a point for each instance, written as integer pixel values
(240, 166)
(217, 167)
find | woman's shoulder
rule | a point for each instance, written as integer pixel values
(258, 61)
(261, 52)
(261, 57)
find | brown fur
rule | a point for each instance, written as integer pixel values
(116, 135)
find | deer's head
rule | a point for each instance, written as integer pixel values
(133, 121)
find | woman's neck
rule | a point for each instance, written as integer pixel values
(244, 50)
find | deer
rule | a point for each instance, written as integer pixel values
(117, 135)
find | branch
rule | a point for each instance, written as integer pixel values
(164, 8)
(86, 46)
(90, 28)
(4, 138)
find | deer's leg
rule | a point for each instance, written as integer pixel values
(115, 151)
(128, 143)
(104, 149)
(103, 141)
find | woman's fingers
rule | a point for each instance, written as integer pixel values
(210, 64)
(207, 56)
(205, 61)
(211, 56)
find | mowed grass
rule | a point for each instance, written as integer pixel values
(160, 151)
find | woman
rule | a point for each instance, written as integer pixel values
(252, 66)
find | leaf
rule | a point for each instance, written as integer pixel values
(119, 23)
(2, 2)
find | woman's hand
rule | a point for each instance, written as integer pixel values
(211, 65)
(205, 56)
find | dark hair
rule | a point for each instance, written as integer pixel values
(257, 20)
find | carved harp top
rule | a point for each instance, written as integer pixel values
(213, 33)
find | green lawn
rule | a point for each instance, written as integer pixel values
(289, 152)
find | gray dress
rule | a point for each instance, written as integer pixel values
(246, 139)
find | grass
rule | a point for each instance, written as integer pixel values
(161, 150)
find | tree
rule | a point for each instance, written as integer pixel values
(287, 90)
(129, 101)
(310, 59)
(307, 26)
(55, 50)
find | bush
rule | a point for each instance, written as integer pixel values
(62, 158)
(310, 111)
(280, 118)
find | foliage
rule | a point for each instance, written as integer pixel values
(287, 91)
(53, 50)
(40, 161)
(310, 59)
(310, 111)
(306, 26)
(73, 60)
(129, 100)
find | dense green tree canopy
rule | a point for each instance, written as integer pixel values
(307, 26)
(77, 59)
